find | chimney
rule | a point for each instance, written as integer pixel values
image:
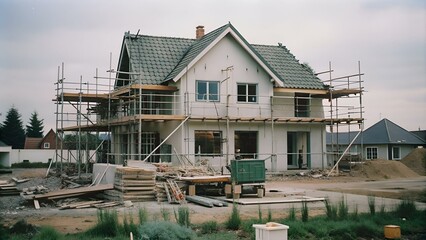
(199, 33)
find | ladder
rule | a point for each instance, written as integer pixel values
(176, 192)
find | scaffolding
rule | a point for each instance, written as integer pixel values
(100, 108)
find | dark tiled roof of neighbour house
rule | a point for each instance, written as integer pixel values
(387, 132)
(160, 59)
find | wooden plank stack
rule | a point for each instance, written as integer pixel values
(133, 183)
(8, 188)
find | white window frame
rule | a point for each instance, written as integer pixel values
(371, 153)
(246, 95)
(207, 97)
(46, 145)
(399, 153)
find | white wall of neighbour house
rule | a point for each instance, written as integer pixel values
(43, 155)
(245, 70)
(5, 156)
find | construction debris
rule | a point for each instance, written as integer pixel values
(88, 204)
(74, 192)
(208, 202)
(8, 189)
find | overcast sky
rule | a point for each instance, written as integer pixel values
(388, 38)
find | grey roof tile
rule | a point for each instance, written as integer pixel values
(160, 59)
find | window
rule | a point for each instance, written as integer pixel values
(245, 144)
(208, 143)
(371, 153)
(247, 92)
(46, 145)
(301, 105)
(396, 153)
(207, 91)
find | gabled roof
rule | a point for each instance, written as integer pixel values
(387, 132)
(160, 59)
(32, 143)
(2, 144)
(383, 132)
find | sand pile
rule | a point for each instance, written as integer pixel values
(416, 161)
(383, 169)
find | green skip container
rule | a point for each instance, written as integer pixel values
(248, 171)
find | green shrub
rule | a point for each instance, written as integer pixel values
(259, 213)
(343, 209)
(354, 215)
(165, 213)
(165, 231)
(182, 216)
(406, 209)
(269, 215)
(128, 225)
(234, 221)
(305, 211)
(143, 215)
(372, 204)
(30, 165)
(209, 227)
(107, 225)
(291, 214)
(47, 233)
(331, 210)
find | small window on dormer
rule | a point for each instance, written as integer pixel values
(46, 145)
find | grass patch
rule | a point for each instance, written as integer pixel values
(209, 227)
(343, 209)
(182, 216)
(48, 233)
(107, 225)
(142, 215)
(234, 220)
(291, 214)
(372, 205)
(305, 211)
(165, 230)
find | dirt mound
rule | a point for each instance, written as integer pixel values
(416, 161)
(383, 169)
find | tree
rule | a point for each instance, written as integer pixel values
(13, 134)
(35, 127)
(71, 141)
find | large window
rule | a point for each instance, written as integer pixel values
(207, 91)
(301, 105)
(208, 143)
(247, 92)
(396, 153)
(245, 144)
(371, 153)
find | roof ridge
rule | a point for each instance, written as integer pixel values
(132, 36)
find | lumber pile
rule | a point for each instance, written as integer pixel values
(65, 193)
(88, 204)
(133, 183)
(30, 192)
(8, 189)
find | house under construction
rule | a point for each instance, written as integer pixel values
(209, 100)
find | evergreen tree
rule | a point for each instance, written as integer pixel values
(13, 134)
(35, 127)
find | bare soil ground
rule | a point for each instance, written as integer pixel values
(380, 178)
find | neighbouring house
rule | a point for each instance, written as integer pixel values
(46, 142)
(383, 140)
(212, 99)
(5, 151)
